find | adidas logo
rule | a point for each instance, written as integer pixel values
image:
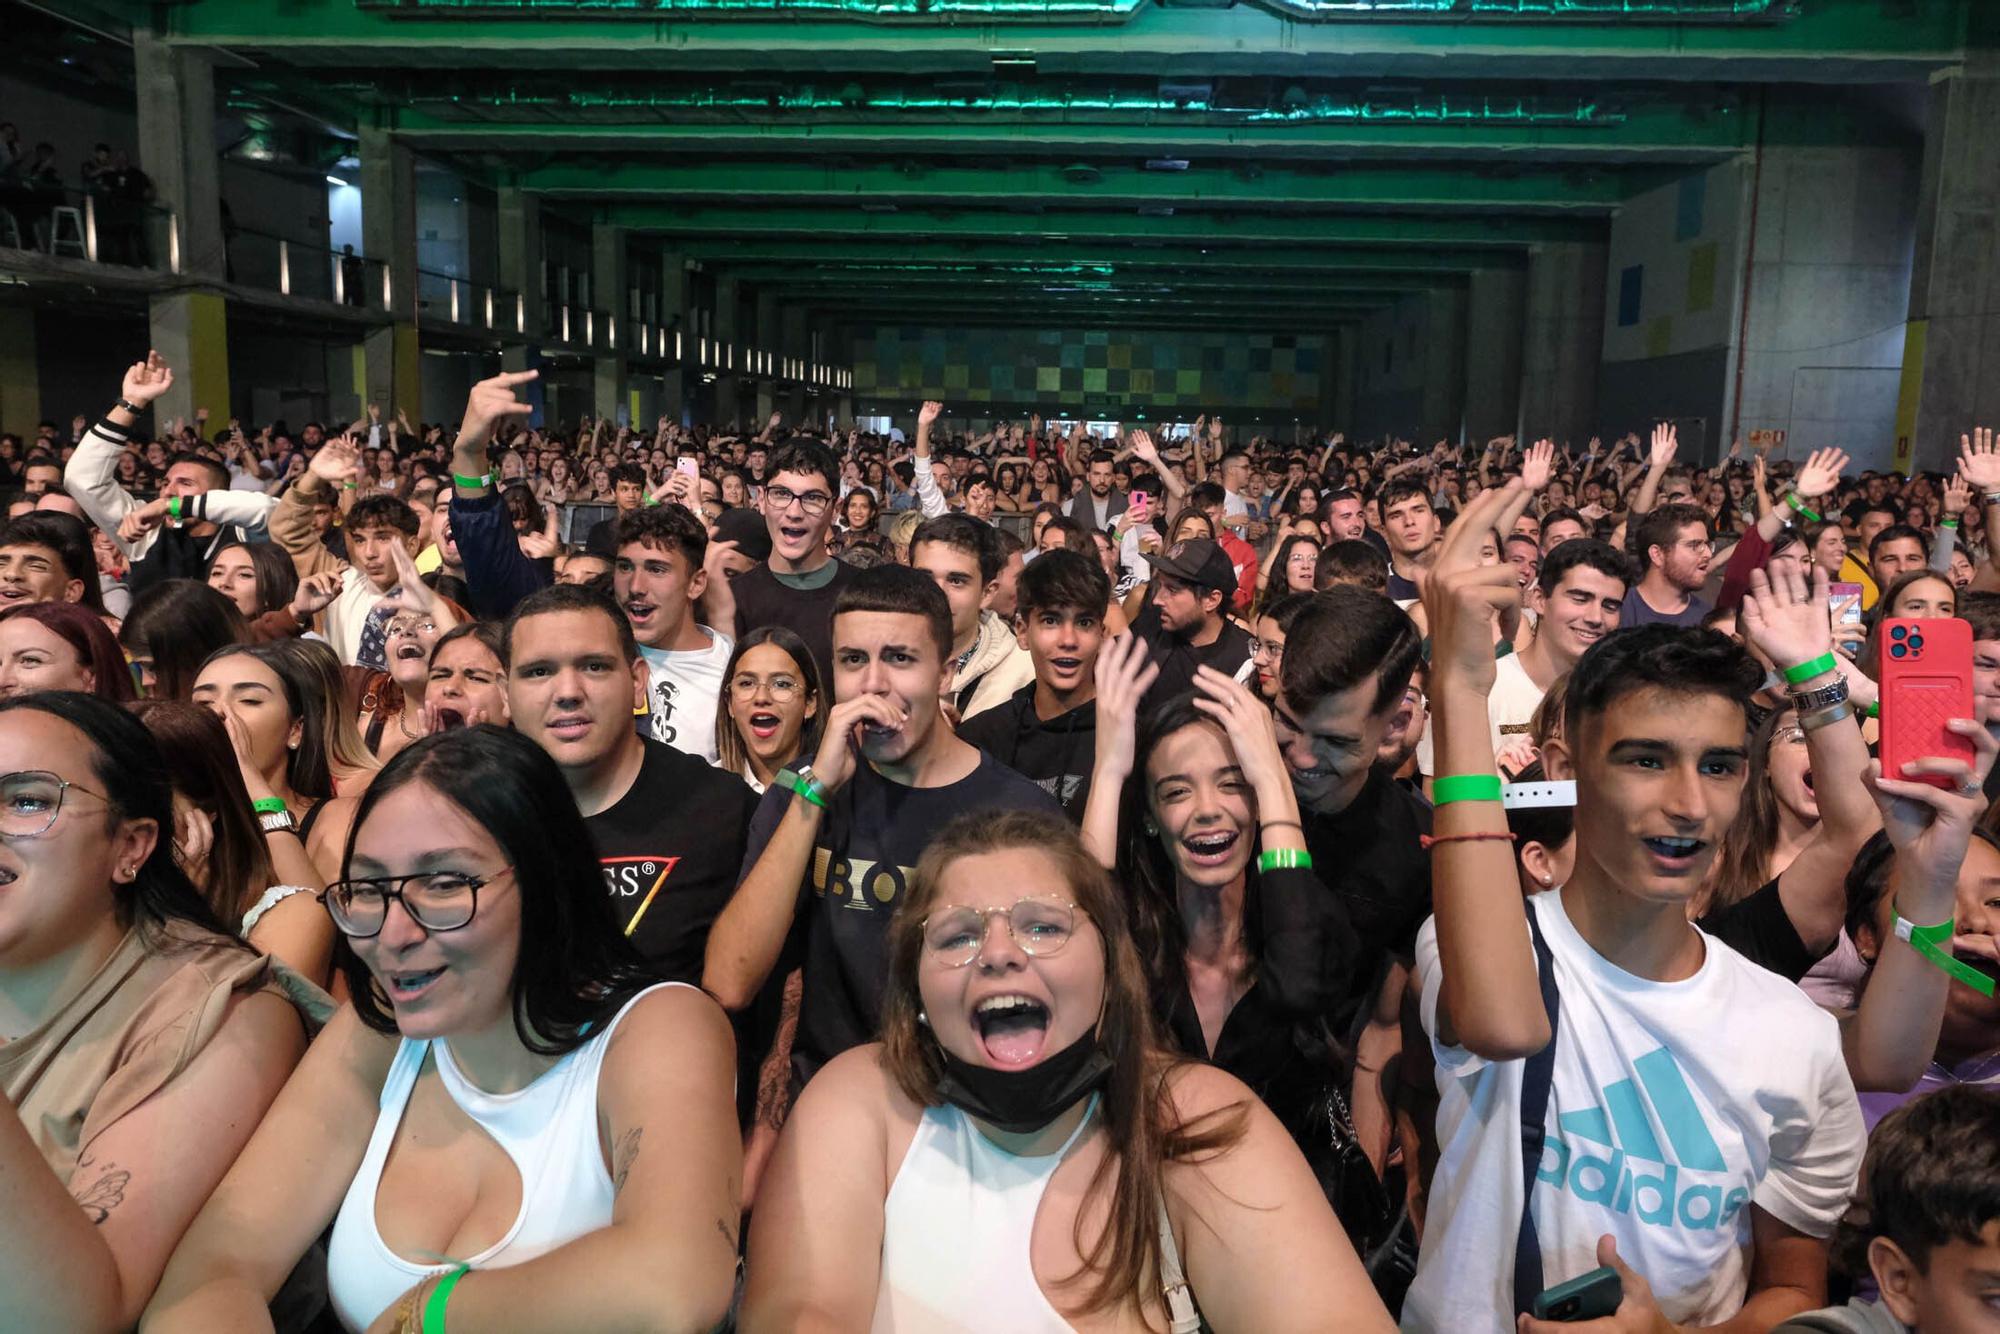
(1635, 1174)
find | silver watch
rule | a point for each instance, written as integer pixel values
(278, 822)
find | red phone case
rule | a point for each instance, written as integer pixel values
(1926, 681)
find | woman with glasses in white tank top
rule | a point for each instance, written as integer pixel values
(513, 1127)
(1021, 1154)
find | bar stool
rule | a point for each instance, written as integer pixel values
(66, 229)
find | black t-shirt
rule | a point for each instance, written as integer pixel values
(763, 599)
(869, 842)
(1759, 929)
(602, 540)
(672, 846)
(1401, 589)
(1371, 856)
(1178, 659)
(1058, 754)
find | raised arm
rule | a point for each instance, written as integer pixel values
(498, 574)
(749, 934)
(1124, 674)
(1786, 619)
(1666, 441)
(1170, 478)
(1979, 465)
(91, 476)
(930, 499)
(1957, 495)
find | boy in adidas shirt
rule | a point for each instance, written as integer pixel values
(658, 578)
(1701, 1133)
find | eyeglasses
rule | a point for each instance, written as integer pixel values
(813, 503)
(411, 629)
(1266, 648)
(435, 900)
(783, 689)
(31, 799)
(1041, 927)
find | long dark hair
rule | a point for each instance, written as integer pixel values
(206, 772)
(127, 764)
(306, 767)
(575, 969)
(1143, 1128)
(277, 577)
(181, 624)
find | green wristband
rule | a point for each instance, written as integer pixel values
(268, 806)
(1806, 671)
(1289, 859)
(1799, 505)
(1929, 941)
(479, 483)
(806, 788)
(174, 508)
(1464, 787)
(434, 1306)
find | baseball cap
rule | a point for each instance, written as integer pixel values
(1198, 561)
(747, 529)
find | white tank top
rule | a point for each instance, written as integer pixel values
(956, 1231)
(548, 1129)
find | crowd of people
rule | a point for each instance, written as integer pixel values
(984, 880)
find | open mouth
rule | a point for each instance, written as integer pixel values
(1011, 1028)
(408, 650)
(1066, 666)
(1211, 848)
(404, 987)
(1979, 963)
(764, 726)
(1808, 780)
(1674, 855)
(12, 592)
(797, 536)
(569, 726)
(640, 611)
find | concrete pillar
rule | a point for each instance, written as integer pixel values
(674, 324)
(190, 328)
(792, 342)
(764, 338)
(1495, 309)
(728, 301)
(20, 372)
(608, 293)
(389, 236)
(518, 232)
(1951, 355)
(176, 104)
(1444, 354)
(1563, 341)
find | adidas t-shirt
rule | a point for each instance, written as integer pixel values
(682, 692)
(1674, 1106)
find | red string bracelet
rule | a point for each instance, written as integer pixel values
(1484, 836)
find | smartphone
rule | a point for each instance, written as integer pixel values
(1845, 599)
(1591, 1296)
(687, 467)
(1926, 677)
(1141, 506)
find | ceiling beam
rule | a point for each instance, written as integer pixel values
(1829, 41)
(673, 221)
(1387, 187)
(1037, 256)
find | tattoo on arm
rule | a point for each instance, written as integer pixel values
(105, 1191)
(623, 1154)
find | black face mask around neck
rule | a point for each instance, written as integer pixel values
(1020, 1101)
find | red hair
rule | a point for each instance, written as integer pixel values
(96, 647)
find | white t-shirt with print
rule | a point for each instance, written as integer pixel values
(1511, 705)
(1674, 1106)
(682, 695)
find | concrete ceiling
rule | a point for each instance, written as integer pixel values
(1279, 164)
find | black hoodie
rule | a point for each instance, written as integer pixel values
(1057, 754)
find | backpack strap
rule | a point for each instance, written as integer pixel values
(1182, 1318)
(1537, 1079)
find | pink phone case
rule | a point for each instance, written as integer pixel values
(1926, 681)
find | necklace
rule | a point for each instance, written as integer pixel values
(403, 726)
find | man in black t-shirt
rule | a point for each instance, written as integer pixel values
(835, 842)
(669, 827)
(1184, 626)
(800, 582)
(1047, 730)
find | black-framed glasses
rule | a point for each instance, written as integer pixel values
(435, 900)
(813, 503)
(1040, 927)
(30, 800)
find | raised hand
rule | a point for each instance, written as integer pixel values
(337, 461)
(147, 380)
(1246, 721)
(1819, 474)
(928, 413)
(1143, 446)
(316, 593)
(1125, 672)
(1538, 466)
(543, 545)
(1931, 826)
(1786, 619)
(1979, 461)
(1463, 605)
(840, 747)
(491, 401)
(1666, 443)
(1957, 495)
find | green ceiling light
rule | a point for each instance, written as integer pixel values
(1674, 11)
